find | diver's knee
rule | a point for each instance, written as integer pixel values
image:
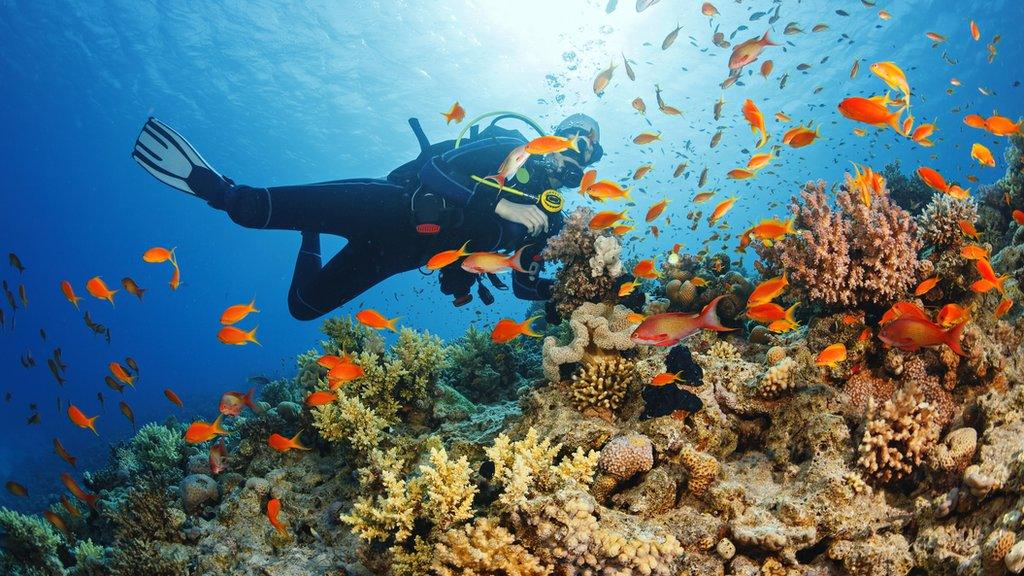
(300, 310)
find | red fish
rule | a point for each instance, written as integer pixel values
(320, 398)
(199, 431)
(76, 490)
(456, 112)
(492, 262)
(173, 397)
(273, 510)
(69, 293)
(218, 457)
(282, 444)
(747, 52)
(78, 418)
(507, 329)
(670, 328)
(232, 403)
(912, 334)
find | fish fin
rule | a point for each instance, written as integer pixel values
(953, 338)
(251, 336)
(515, 261)
(709, 317)
(391, 324)
(526, 326)
(294, 441)
(766, 41)
(217, 429)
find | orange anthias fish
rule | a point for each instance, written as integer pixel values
(627, 288)
(491, 262)
(320, 398)
(670, 328)
(57, 522)
(639, 106)
(642, 171)
(218, 457)
(766, 313)
(925, 286)
(708, 9)
(510, 165)
(98, 289)
(988, 275)
(121, 374)
(69, 293)
(800, 136)
(343, 373)
(766, 68)
(606, 219)
(656, 210)
(456, 112)
(273, 510)
(933, 179)
(621, 229)
(601, 80)
(170, 394)
(66, 503)
(911, 334)
(1004, 306)
(952, 314)
(967, 228)
(787, 322)
(983, 155)
(721, 209)
(935, 37)
(870, 112)
(975, 32)
(768, 290)
(756, 119)
(16, 489)
(59, 450)
(550, 145)
(507, 329)
(373, 319)
(832, 355)
(749, 51)
(607, 190)
(158, 254)
(702, 197)
(759, 161)
(741, 174)
(78, 418)
(646, 137)
(282, 444)
(232, 403)
(442, 259)
(175, 281)
(772, 229)
(199, 432)
(76, 490)
(1002, 126)
(903, 309)
(237, 313)
(973, 252)
(645, 269)
(866, 183)
(893, 76)
(666, 378)
(233, 336)
(588, 180)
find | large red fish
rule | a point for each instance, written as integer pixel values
(911, 334)
(670, 328)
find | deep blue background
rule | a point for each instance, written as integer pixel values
(287, 92)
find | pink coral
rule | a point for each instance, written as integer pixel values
(939, 221)
(848, 256)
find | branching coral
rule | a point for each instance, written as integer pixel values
(155, 449)
(869, 251)
(30, 546)
(601, 382)
(483, 548)
(703, 469)
(938, 224)
(527, 467)
(897, 437)
(483, 370)
(574, 247)
(595, 328)
(778, 379)
(349, 420)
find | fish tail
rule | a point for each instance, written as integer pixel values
(515, 261)
(709, 317)
(791, 313)
(573, 146)
(92, 425)
(216, 427)
(250, 336)
(294, 441)
(766, 41)
(142, 291)
(953, 338)
(462, 249)
(893, 121)
(391, 324)
(526, 326)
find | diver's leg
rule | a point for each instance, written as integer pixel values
(347, 208)
(360, 265)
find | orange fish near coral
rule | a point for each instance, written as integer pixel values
(174, 399)
(989, 275)
(456, 112)
(490, 263)
(721, 209)
(199, 431)
(670, 328)
(237, 313)
(903, 309)
(932, 179)
(16, 489)
(656, 210)
(666, 378)
(951, 314)
(121, 374)
(343, 373)
(768, 290)
(78, 418)
(1018, 217)
(232, 403)
(867, 183)
(871, 112)
(606, 219)
(233, 336)
(282, 444)
(627, 288)
(1004, 306)
(967, 228)
(925, 286)
(767, 313)
(320, 398)
(832, 355)
(76, 490)
(507, 329)
(983, 155)
(69, 293)
(373, 319)
(273, 510)
(98, 289)
(772, 229)
(59, 450)
(645, 269)
(588, 180)
(606, 190)
(911, 334)
(218, 457)
(787, 323)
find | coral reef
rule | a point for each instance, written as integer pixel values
(897, 437)
(30, 547)
(577, 248)
(870, 251)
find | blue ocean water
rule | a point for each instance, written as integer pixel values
(276, 93)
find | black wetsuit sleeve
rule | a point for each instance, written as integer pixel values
(450, 173)
(530, 285)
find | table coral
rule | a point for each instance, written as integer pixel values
(869, 251)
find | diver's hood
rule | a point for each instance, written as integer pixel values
(581, 124)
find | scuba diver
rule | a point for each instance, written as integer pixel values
(438, 201)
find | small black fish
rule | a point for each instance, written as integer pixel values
(757, 16)
(113, 384)
(99, 396)
(42, 334)
(7, 397)
(258, 380)
(34, 419)
(56, 358)
(132, 364)
(842, 12)
(16, 262)
(55, 371)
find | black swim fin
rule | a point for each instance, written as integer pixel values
(170, 158)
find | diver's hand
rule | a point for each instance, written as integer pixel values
(535, 220)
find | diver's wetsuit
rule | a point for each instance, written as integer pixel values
(376, 218)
